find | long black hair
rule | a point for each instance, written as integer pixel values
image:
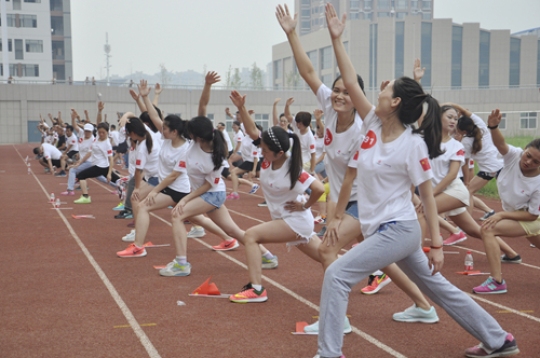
(466, 124)
(135, 125)
(277, 140)
(175, 123)
(202, 127)
(411, 108)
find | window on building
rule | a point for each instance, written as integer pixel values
(56, 5)
(528, 120)
(354, 15)
(33, 1)
(368, 4)
(426, 16)
(305, 25)
(30, 70)
(515, 58)
(383, 14)
(483, 61)
(502, 123)
(425, 52)
(326, 58)
(57, 25)
(383, 4)
(414, 4)
(28, 21)
(401, 4)
(373, 39)
(355, 4)
(16, 4)
(34, 46)
(426, 5)
(58, 50)
(457, 56)
(399, 49)
(19, 53)
(262, 120)
(401, 15)
(10, 45)
(368, 16)
(278, 70)
(538, 65)
(305, 13)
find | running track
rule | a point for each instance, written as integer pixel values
(66, 294)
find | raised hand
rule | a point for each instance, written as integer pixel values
(335, 25)
(418, 71)
(290, 101)
(276, 101)
(494, 118)
(318, 113)
(237, 99)
(384, 84)
(144, 89)
(288, 24)
(74, 114)
(134, 95)
(100, 106)
(158, 89)
(212, 77)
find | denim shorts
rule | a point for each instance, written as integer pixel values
(154, 181)
(214, 198)
(352, 209)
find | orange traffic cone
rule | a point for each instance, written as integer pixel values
(207, 288)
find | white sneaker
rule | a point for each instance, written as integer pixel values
(196, 232)
(129, 237)
(314, 328)
(416, 314)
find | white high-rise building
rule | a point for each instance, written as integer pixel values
(38, 41)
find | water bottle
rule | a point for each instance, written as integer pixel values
(469, 265)
(52, 198)
(57, 203)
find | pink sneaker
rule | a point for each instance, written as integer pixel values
(233, 196)
(455, 239)
(68, 192)
(509, 348)
(226, 245)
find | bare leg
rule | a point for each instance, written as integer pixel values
(143, 218)
(479, 204)
(406, 285)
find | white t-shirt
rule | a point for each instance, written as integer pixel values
(518, 192)
(386, 172)
(114, 135)
(319, 147)
(85, 145)
(122, 135)
(147, 162)
(307, 143)
(72, 141)
(51, 152)
(171, 158)
(49, 139)
(340, 147)
(248, 150)
(487, 158)
(238, 137)
(227, 139)
(276, 187)
(200, 168)
(454, 152)
(101, 151)
(132, 160)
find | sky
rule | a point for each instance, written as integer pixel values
(215, 34)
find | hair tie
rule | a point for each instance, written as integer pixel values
(274, 139)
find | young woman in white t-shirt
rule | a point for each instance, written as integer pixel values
(283, 181)
(519, 189)
(342, 139)
(392, 159)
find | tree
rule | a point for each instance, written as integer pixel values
(164, 74)
(256, 75)
(228, 78)
(236, 80)
(292, 80)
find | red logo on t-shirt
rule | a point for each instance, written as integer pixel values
(328, 137)
(80, 140)
(182, 164)
(461, 152)
(254, 153)
(138, 162)
(303, 177)
(471, 162)
(109, 152)
(216, 181)
(369, 140)
(312, 146)
(265, 164)
(356, 155)
(425, 164)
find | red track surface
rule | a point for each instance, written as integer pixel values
(66, 294)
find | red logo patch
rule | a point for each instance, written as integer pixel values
(425, 164)
(369, 140)
(312, 146)
(461, 152)
(328, 137)
(254, 153)
(109, 152)
(303, 177)
(182, 164)
(471, 162)
(138, 162)
(216, 181)
(80, 140)
(265, 164)
(356, 155)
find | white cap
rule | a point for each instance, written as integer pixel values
(88, 127)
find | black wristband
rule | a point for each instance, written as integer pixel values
(493, 127)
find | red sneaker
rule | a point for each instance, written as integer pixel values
(132, 251)
(455, 239)
(375, 284)
(226, 245)
(248, 295)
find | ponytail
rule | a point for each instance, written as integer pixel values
(431, 127)
(219, 149)
(136, 126)
(295, 168)
(466, 124)
(149, 142)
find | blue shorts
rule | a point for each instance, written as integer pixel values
(352, 209)
(154, 181)
(214, 198)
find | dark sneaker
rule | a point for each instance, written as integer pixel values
(262, 204)
(487, 215)
(322, 232)
(509, 348)
(513, 260)
(124, 214)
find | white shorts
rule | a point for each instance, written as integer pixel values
(457, 190)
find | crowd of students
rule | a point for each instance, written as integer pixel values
(383, 176)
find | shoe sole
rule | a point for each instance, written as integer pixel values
(491, 293)
(180, 274)
(226, 249)
(417, 320)
(513, 352)
(127, 239)
(380, 287)
(455, 242)
(198, 236)
(250, 300)
(132, 256)
(512, 262)
(269, 266)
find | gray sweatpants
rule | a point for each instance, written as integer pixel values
(129, 191)
(396, 242)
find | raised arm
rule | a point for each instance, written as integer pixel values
(211, 78)
(418, 70)
(60, 121)
(144, 91)
(249, 124)
(318, 113)
(275, 115)
(137, 100)
(86, 116)
(496, 136)
(75, 119)
(157, 93)
(305, 67)
(348, 73)
(100, 108)
(464, 111)
(287, 110)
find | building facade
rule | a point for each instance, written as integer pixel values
(38, 41)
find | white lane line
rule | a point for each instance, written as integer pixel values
(519, 313)
(143, 338)
(483, 253)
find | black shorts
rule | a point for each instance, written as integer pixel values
(248, 166)
(488, 176)
(176, 196)
(72, 153)
(122, 148)
(95, 171)
(55, 162)
(225, 172)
